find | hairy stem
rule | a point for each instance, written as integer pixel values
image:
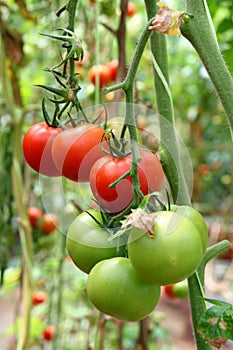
(199, 31)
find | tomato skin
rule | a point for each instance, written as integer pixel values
(37, 143)
(34, 214)
(75, 150)
(113, 65)
(104, 73)
(39, 297)
(115, 288)
(48, 223)
(197, 219)
(171, 255)
(87, 243)
(108, 169)
(131, 9)
(49, 332)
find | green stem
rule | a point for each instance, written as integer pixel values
(199, 31)
(172, 164)
(170, 157)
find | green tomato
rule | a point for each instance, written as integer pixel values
(197, 219)
(88, 243)
(180, 289)
(114, 288)
(172, 254)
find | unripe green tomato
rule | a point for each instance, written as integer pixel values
(115, 289)
(87, 243)
(196, 218)
(172, 254)
(180, 289)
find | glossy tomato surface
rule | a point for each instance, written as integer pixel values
(115, 289)
(87, 243)
(172, 254)
(37, 144)
(196, 218)
(108, 169)
(76, 149)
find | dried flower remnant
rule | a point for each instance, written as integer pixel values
(167, 21)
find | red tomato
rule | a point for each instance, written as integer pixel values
(38, 297)
(37, 145)
(34, 214)
(104, 73)
(108, 169)
(48, 223)
(131, 9)
(49, 332)
(113, 65)
(75, 150)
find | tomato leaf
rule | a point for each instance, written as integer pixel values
(216, 324)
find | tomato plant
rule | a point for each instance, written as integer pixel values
(76, 149)
(108, 169)
(49, 332)
(115, 288)
(48, 223)
(37, 144)
(34, 214)
(171, 254)
(104, 73)
(88, 243)
(39, 297)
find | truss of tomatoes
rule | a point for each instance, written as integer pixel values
(126, 273)
(77, 154)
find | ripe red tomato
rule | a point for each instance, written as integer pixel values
(108, 169)
(34, 214)
(75, 150)
(115, 288)
(37, 144)
(113, 65)
(38, 297)
(131, 9)
(104, 73)
(48, 223)
(49, 332)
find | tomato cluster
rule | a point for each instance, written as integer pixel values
(45, 222)
(127, 265)
(167, 250)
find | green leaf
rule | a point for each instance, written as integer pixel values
(216, 324)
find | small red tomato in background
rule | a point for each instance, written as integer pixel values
(37, 144)
(49, 332)
(34, 214)
(113, 65)
(75, 150)
(48, 223)
(176, 290)
(131, 9)
(104, 73)
(38, 297)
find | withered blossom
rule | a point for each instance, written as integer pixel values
(167, 21)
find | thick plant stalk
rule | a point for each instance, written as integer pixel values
(199, 31)
(165, 108)
(171, 162)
